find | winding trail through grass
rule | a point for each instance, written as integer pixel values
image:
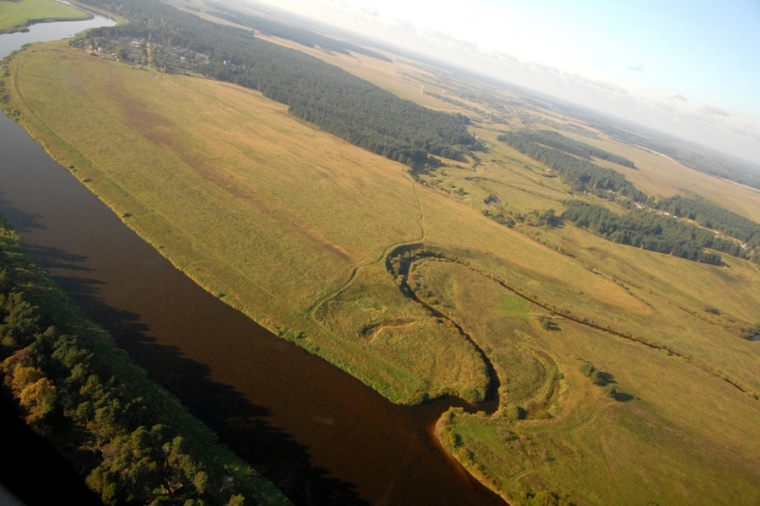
(490, 403)
(334, 292)
(719, 374)
(491, 400)
(628, 337)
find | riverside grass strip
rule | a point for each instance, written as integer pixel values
(18, 15)
(299, 242)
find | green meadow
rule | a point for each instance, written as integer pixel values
(615, 384)
(17, 15)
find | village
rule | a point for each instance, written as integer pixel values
(143, 53)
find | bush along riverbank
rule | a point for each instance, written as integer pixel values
(129, 440)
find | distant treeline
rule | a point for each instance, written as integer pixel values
(714, 217)
(691, 155)
(642, 226)
(298, 35)
(572, 147)
(652, 231)
(581, 174)
(131, 442)
(325, 95)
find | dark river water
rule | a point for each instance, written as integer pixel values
(316, 432)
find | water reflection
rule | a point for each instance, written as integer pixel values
(46, 32)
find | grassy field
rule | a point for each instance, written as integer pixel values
(659, 175)
(18, 15)
(293, 227)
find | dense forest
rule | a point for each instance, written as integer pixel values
(695, 156)
(652, 231)
(574, 169)
(713, 217)
(656, 226)
(558, 141)
(130, 441)
(325, 95)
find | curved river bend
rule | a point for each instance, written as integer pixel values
(316, 432)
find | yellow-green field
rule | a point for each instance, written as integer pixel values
(17, 15)
(294, 227)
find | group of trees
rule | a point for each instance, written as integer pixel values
(690, 154)
(323, 94)
(714, 217)
(570, 160)
(132, 443)
(645, 224)
(652, 231)
(605, 380)
(567, 145)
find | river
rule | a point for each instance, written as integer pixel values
(319, 434)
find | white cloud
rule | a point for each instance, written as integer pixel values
(713, 111)
(542, 58)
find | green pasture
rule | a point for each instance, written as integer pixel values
(661, 176)
(17, 15)
(596, 450)
(293, 227)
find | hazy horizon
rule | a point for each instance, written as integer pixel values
(688, 69)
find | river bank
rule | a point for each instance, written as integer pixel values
(20, 15)
(296, 226)
(334, 417)
(54, 358)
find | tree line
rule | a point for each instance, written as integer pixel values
(714, 217)
(652, 231)
(323, 94)
(570, 146)
(645, 225)
(131, 442)
(581, 174)
(690, 154)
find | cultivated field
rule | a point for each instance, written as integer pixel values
(615, 385)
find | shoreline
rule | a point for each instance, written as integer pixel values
(24, 26)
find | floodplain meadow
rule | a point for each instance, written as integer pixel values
(299, 230)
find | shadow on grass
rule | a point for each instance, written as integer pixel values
(607, 380)
(619, 395)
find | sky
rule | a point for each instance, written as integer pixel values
(687, 67)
